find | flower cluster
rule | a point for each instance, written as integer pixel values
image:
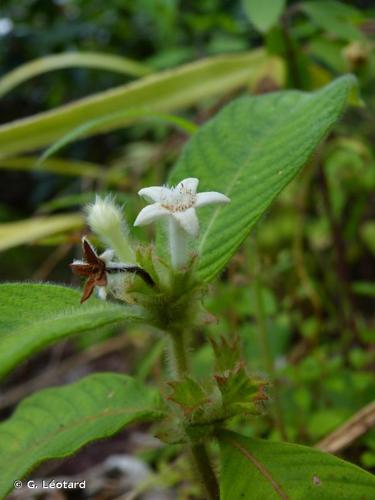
(109, 272)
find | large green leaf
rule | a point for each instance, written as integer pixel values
(96, 60)
(26, 231)
(264, 470)
(57, 422)
(33, 316)
(164, 92)
(263, 14)
(250, 151)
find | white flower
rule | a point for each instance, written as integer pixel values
(178, 203)
(106, 220)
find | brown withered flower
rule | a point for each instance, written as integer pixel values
(97, 268)
(91, 267)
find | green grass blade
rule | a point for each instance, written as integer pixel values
(54, 165)
(95, 60)
(133, 114)
(29, 230)
(159, 93)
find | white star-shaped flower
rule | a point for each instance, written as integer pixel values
(177, 202)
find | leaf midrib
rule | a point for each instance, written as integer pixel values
(240, 170)
(259, 466)
(259, 145)
(155, 414)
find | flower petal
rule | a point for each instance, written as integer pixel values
(107, 256)
(189, 184)
(81, 268)
(188, 220)
(153, 193)
(210, 197)
(102, 292)
(89, 251)
(150, 213)
(87, 290)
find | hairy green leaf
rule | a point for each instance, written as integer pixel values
(57, 422)
(250, 151)
(265, 470)
(96, 60)
(26, 231)
(263, 14)
(167, 91)
(33, 316)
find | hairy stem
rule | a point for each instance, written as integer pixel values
(266, 351)
(200, 460)
(204, 470)
(179, 356)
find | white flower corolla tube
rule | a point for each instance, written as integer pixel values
(178, 205)
(106, 219)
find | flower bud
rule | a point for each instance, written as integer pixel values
(106, 220)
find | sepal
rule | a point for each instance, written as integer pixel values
(241, 393)
(227, 353)
(188, 394)
(174, 301)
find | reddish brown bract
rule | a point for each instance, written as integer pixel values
(93, 268)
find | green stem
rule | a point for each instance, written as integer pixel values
(200, 460)
(266, 351)
(204, 470)
(179, 355)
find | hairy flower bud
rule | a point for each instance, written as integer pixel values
(105, 218)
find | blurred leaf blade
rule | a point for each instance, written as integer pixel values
(57, 422)
(34, 316)
(161, 93)
(95, 60)
(272, 470)
(29, 230)
(250, 151)
(54, 165)
(86, 128)
(263, 14)
(334, 17)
